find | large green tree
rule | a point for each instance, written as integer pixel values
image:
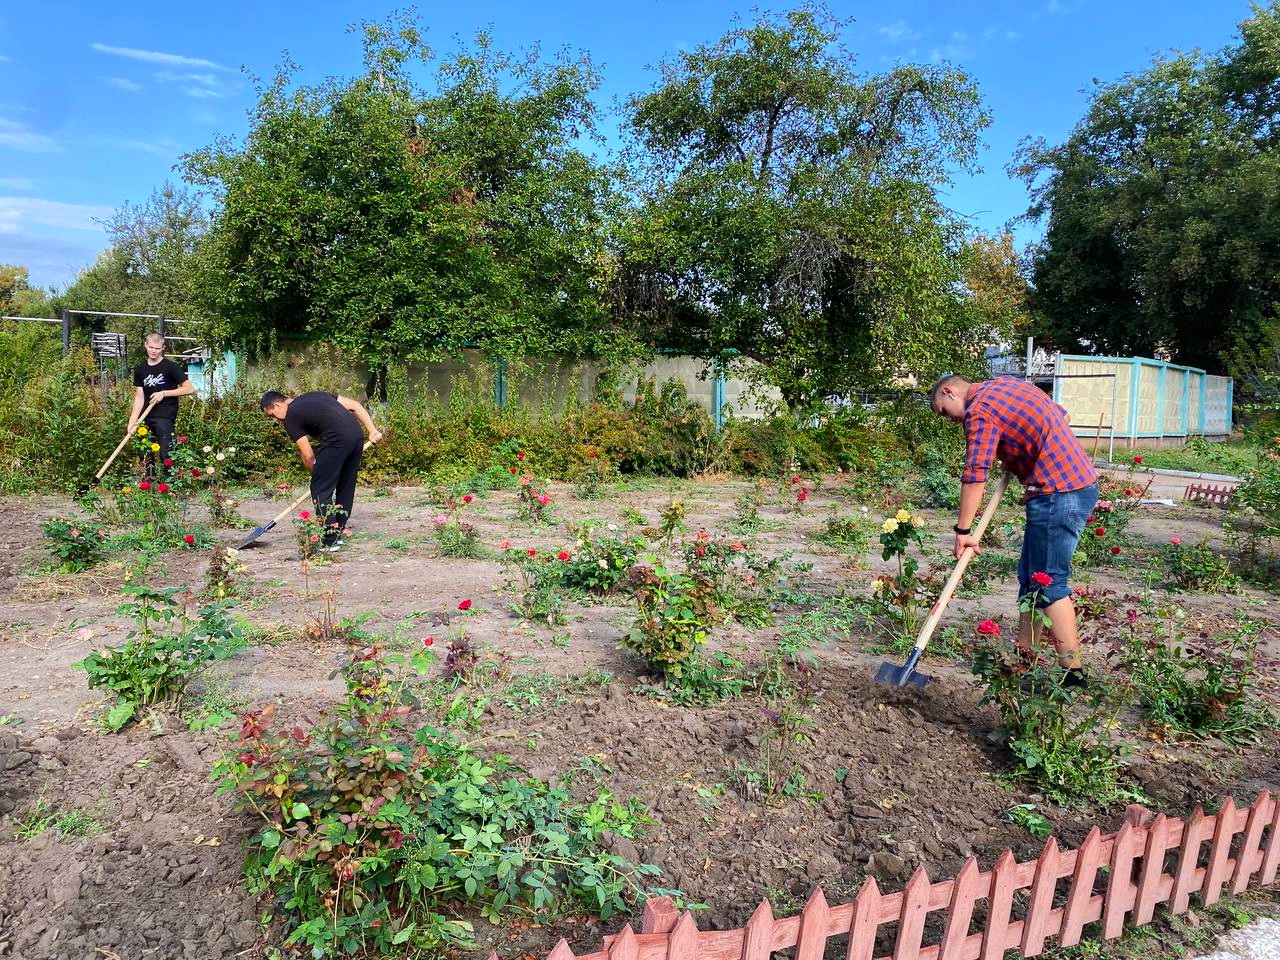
(402, 220)
(1162, 208)
(789, 222)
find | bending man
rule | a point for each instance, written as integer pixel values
(334, 421)
(1016, 421)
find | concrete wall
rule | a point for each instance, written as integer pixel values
(546, 386)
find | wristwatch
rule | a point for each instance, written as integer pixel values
(962, 531)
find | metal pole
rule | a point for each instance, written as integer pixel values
(1031, 342)
(1111, 434)
(160, 325)
(66, 331)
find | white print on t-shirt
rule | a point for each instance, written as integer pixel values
(153, 380)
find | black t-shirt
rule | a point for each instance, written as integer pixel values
(321, 417)
(152, 378)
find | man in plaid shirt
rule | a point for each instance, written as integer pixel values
(1015, 421)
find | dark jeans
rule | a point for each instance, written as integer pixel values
(1054, 523)
(160, 430)
(333, 486)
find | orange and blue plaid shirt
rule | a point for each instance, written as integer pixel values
(1017, 422)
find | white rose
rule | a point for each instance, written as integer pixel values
(231, 449)
(221, 456)
(603, 565)
(208, 470)
(207, 449)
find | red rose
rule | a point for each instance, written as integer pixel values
(1137, 459)
(1100, 532)
(304, 514)
(1092, 519)
(520, 455)
(195, 471)
(989, 628)
(592, 454)
(533, 552)
(1115, 551)
(468, 498)
(144, 485)
(1175, 540)
(169, 462)
(428, 641)
(562, 555)
(189, 539)
(1041, 578)
(512, 470)
(182, 439)
(465, 605)
(795, 479)
(163, 487)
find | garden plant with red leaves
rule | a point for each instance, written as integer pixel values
(372, 834)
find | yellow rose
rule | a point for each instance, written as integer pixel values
(903, 516)
(917, 521)
(155, 447)
(126, 490)
(890, 525)
(142, 431)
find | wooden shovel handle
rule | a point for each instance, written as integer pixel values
(935, 616)
(120, 446)
(297, 503)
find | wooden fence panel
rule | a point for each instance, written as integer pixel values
(1137, 883)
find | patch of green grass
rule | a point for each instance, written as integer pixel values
(1236, 458)
(8, 718)
(214, 707)
(72, 824)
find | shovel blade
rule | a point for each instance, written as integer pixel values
(257, 532)
(901, 676)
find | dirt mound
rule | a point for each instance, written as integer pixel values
(150, 884)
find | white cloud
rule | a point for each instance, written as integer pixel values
(898, 33)
(18, 137)
(202, 93)
(4, 59)
(161, 147)
(203, 79)
(957, 48)
(18, 213)
(1058, 6)
(155, 56)
(17, 183)
(124, 84)
(1000, 33)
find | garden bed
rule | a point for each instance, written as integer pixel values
(890, 780)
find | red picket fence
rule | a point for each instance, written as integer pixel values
(1220, 495)
(1151, 860)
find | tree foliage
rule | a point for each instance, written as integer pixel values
(1162, 207)
(788, 215)
(403, 221)
(149, 266)
(17, 297)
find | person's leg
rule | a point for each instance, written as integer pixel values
(160, 429)
(345, 494)
(1053, 531)
(324, 481)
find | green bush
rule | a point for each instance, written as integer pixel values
(76, 544)
(1059, 735)
(162, 654)
(374, 838)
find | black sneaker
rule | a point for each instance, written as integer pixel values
(1076, 678)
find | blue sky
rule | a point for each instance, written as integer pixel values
(98, 100)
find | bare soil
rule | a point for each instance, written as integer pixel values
(899, 779)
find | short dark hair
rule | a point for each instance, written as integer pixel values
(943, 381)
(271, 398)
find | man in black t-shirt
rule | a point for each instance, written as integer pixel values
(335, 422)
(158, 376)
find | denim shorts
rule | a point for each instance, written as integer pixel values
(1054, 523)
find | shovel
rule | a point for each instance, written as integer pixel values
(259, 531)
(97, 478)
(906, 674)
